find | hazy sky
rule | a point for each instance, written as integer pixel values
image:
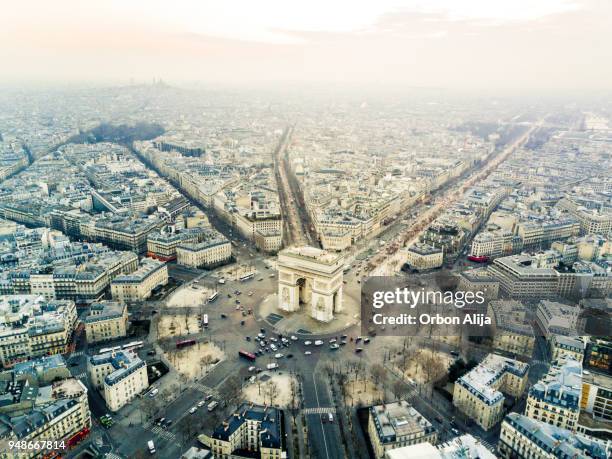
(439, 43)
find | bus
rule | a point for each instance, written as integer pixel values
(185, 343)
(133, 345)
(247, 355)
(104, 350)
(247, 277)
(213, 297)
(478, 258)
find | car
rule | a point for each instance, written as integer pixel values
(307, 343)
(333, 340)
(242, 322)
(278, 356)
(201, 403)
(358, 339)
(324, 418)
(193, 409)
(366, 340)
(273, 339)
(248, 338)
(167, 424)
(438, 419)
(294, 338)
(238, 302)
(289, 356)
(318, 342)
(151, 352)
(342, 343)
(262, 330)
(455, 432)
(252, 368)
(74, 364)
(208, 397)
(358, 350)
(224, 316)
(261, 336)
(307, 352)
(334, 346)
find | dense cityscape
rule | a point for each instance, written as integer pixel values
(183, 269)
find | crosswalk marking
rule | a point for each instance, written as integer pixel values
(488, 445)
(112, 456)
(204, 388)
(170, 436)
(539, 362)
(82, 375)
(77, 354)
(319, 410)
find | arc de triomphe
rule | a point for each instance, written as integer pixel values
(311, 277)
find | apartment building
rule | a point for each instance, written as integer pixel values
(479, 280)
(138, 285)
(555, 399)
(537, 235)
(593, 219)
(268, 241)
(542, 276)
(106, 320)
(83, 279)
(396, 425)
(119, 376)
(56, 412)
(162, 245)
(480, 393)
(252, 431)
(31, 326)
(596, 397)
(496, 243)
(513, 332)
(598, 354)
(120, 232)
(566, 347)
(213, 251)
(336, 240)
(557, 318)
(525, 438)
(463, 447)
(422, 257)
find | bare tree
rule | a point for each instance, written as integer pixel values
(399, 389)
(271, 391)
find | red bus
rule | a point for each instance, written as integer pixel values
(78, 437)
(185, 343)
(478, 259)
(247, 355)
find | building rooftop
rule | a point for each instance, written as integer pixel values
(556, 441)
(480, 379)
(399, 419)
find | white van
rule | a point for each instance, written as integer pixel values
(272, 366)
(212, 405)
(151, 446)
